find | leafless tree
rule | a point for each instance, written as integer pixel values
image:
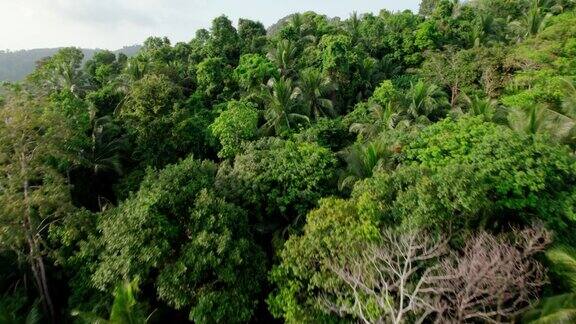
(492, 280)
(415, 277)
(389, 275)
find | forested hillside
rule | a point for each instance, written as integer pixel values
(392, 168)
(16, 65)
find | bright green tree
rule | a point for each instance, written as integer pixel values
(238, 123)
(279, 180)
(254, 71)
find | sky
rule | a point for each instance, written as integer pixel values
(112, 24)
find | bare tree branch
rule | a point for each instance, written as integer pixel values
(415, 277)
(391, 275)
(492, 280)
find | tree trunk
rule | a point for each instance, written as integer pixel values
(454, 96)
(36, 261)
(39, 272)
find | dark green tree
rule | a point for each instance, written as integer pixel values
(175, 228)
(224, 41)
(252, 36)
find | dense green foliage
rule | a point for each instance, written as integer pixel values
(247, 176)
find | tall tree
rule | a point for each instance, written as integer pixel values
(224, 41)
(193, 247)
(427, 7)
(34, 194)
(61, 72)
(252, 36)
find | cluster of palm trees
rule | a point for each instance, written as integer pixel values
(290, 103)
(423, 102)
(419, 106)
(535, 19)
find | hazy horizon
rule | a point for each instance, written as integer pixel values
(113, 24)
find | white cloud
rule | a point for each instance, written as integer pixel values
(101, 12)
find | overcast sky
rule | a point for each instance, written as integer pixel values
(111, 24)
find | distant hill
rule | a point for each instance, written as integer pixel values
(16, 65)
(274, 28)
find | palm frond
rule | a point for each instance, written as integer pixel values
(558, 309)
(34, 316)
(362, 160)
(563, 265)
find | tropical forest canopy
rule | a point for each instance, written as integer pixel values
(393, 168)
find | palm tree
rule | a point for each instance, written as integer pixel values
(304, 32)
(535, 119)
(534, 20)
(105, 146)
(565, 119)
(106, 143)
(125, 308)
(425, 100)
(69, 76)
(386, 69)
(61, 72)
(314, 87)
(531, 119)
(136, 68)
(284, 55)
(382, 119)
(561, 308)
(362, 160)
(484, 107)
(353, 26)
(484, 26)
(103, 153)
(563, 265)
(281, 106)
(9, 315)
